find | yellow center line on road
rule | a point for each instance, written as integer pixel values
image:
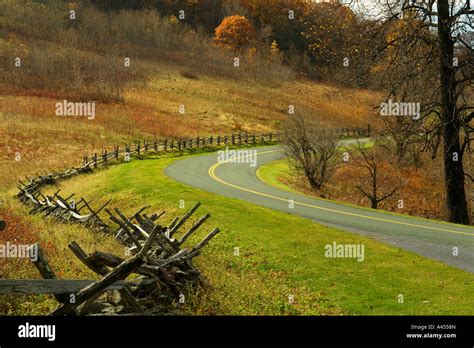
(212, 174)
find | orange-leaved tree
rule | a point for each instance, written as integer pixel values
(235, 32)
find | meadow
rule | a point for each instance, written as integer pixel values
(272, 262)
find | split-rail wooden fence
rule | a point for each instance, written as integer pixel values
(163, 267)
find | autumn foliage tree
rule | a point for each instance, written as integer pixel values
(336, 40)
(328, 32)
(235, 32)
(283, 17)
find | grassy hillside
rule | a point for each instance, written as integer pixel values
(276, 260)
(212, 106)
(171, 66)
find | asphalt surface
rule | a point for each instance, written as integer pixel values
(431, 239)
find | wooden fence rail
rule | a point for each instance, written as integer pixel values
(155, 254)
(48, 286)
(180, 144)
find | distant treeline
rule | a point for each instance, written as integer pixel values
(324, 41)
(43, 50)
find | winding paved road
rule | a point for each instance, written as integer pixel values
(431, 239)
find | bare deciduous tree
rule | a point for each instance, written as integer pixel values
(377, 186)
(311, 148)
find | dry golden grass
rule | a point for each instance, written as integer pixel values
(171, 66)
(212, 106)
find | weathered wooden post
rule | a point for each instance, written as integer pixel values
(104, 156)
(155, 144)
(218, 140)
(246, 138)
(270, 136)
(211, 140)
(138, 147)
(165, 144)
(240, 139)
(368, 130)
(116, 152)
(41, 263)
(95, 159)
(233, 139)
(253, 138)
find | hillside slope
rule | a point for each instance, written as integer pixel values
(212, 106)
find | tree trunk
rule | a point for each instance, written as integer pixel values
(373, 203)
(400, 151)
(373, 199)
(453, 169)
(312, 181)
(314, 184)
